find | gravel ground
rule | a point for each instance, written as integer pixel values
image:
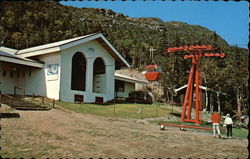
(61, 133)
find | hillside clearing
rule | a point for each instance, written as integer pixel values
(64, 133)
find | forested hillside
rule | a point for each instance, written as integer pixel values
(27, 24)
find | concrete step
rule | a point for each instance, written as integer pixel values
(30, 108)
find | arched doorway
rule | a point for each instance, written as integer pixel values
(99, 76)
(78, 77)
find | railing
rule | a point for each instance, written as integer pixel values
(45, 100)
(15, 89)
(5, 95)
(10, 100)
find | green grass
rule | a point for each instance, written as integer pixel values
(237, 132)
(240, 133)
(139, 111)
(135, 111)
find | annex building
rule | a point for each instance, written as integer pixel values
(78, 69)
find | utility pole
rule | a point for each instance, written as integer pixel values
(151, 51)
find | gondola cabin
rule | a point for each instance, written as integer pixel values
(153, 72)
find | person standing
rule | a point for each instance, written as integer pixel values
(216, 122)
(229, 125)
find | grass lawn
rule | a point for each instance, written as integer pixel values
(136, 111)
(141, 111)
(237, 132)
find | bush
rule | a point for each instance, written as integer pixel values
(139, 97)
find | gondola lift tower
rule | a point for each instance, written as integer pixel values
(195, 52)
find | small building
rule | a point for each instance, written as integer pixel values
(126, 84)
(211, 102)
(15, 71)
(140, 82)
(79, 69)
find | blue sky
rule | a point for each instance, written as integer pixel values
(228, 19)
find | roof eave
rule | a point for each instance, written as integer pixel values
(40, 52)
(129, 79)
(124, 62)
(21, 62)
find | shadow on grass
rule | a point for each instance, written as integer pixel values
(10, 115)
(176, 114)
(100, 103)
(229, 138)
(33, 109)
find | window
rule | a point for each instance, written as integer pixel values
(99, 66)
(17, 74)
(119, 86)
(4, 73)
(79, 98)
(11, 74)
(99, 99)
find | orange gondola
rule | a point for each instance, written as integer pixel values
(153, 72)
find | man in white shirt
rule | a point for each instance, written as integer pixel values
(229, 124)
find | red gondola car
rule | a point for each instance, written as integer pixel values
(153, 72)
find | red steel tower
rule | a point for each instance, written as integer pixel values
(193, 91)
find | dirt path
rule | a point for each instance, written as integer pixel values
(58, 133)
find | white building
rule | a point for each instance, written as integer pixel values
(78, 69)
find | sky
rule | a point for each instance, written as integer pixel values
(228, 19)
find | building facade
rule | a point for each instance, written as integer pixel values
(79, 69)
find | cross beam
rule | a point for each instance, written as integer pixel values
(193, 95)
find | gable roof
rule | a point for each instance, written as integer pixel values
(64, 44)
(33, 51)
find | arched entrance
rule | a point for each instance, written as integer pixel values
(78, 77)
(99, 76)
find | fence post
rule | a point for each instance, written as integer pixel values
(53, 103)
(157, 109)
(11, 102)
(43, 100)
(23, 92)
(33, 96)
(114, 107)
(142, 111)
(0, 97)
(15, 91)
